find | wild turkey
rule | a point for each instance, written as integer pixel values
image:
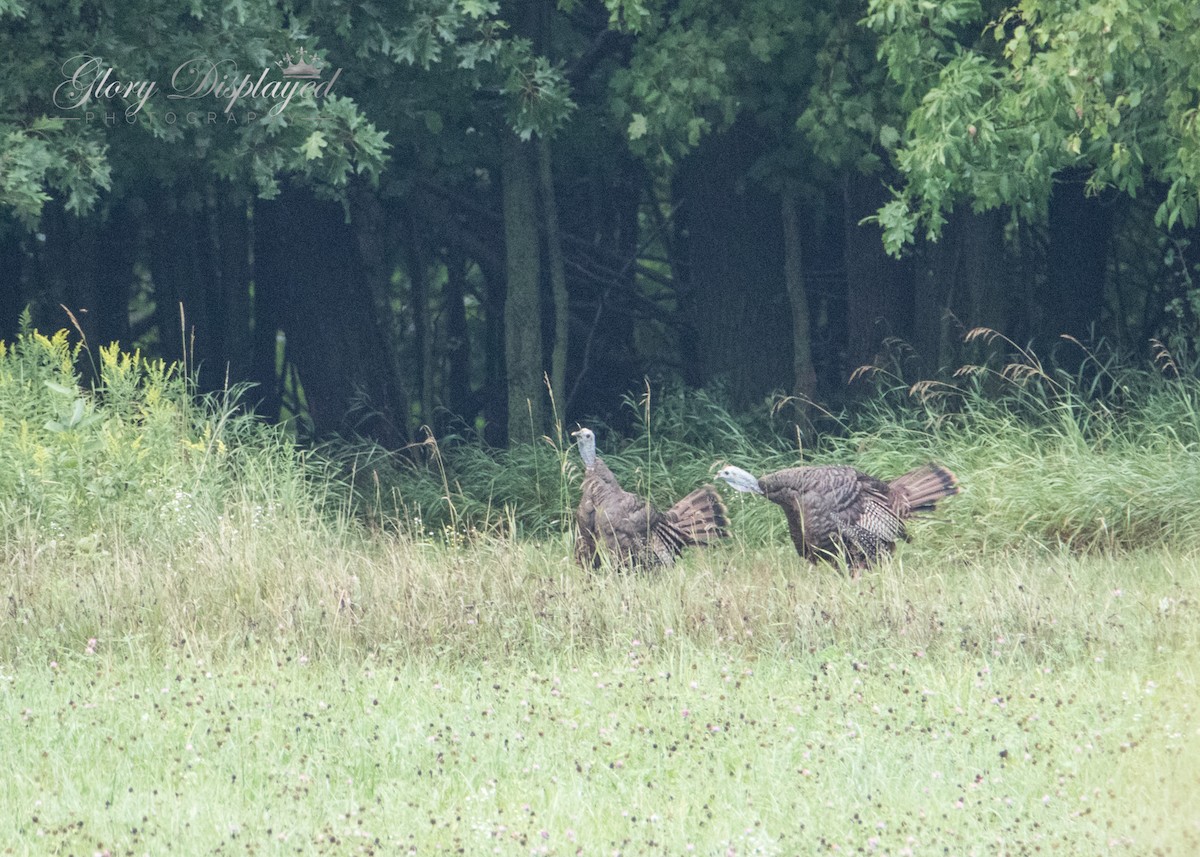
(630, 529)
(840, 511)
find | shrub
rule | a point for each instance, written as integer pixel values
(138, 456)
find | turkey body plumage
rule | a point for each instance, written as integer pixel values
(631, 530)
(839, 511)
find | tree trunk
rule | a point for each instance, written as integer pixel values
(116, 253)
(458, 341)
(269, 272)
(733, 295)
(522, 306)
(969, 280)
(327, 317)
(604, 362)
(1080, 229)
(379, 232)
(88, 268)
(473, 233)
(495, 387)
(12, 287)
(804, 383)
(422, 325)
(234, 237)
(876, 284)
(558, 275)
(168, 252)
(987, 274)
(185, 269)
(193, 231)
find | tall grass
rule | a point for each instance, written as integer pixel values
(137, 510)
(454, 487)
(1103, 459)
(138, 515)
(1106, 458)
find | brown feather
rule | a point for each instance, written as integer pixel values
(919, 490)
(633, 532)
(700, 517)
(841, 511)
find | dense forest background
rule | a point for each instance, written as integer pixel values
(491, 200)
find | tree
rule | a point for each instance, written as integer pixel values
(135, 135)
(115, 76)
(800, 83)
(522, 307)
(1004, 101)
(188, 199)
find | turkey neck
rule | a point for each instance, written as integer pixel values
(587, 451)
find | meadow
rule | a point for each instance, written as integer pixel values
(214, 642)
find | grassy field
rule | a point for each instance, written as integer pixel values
(211, 643)
(739, 704)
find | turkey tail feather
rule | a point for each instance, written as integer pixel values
(920, 490)
(700, 517)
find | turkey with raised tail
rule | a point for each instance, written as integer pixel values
(837, 511)
(630, 529)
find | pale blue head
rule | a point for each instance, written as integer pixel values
(587, 446)
(739, 479)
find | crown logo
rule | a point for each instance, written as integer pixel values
(301, 67)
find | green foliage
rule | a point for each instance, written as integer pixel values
(50, 156)
(135, 456)
(633, 16)
(804, 75)
(999, 102)
(91, 144)
(677, 89)
(538, 95)
(696, 68)
(466, 32)
(848, 110)
(465, 47)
